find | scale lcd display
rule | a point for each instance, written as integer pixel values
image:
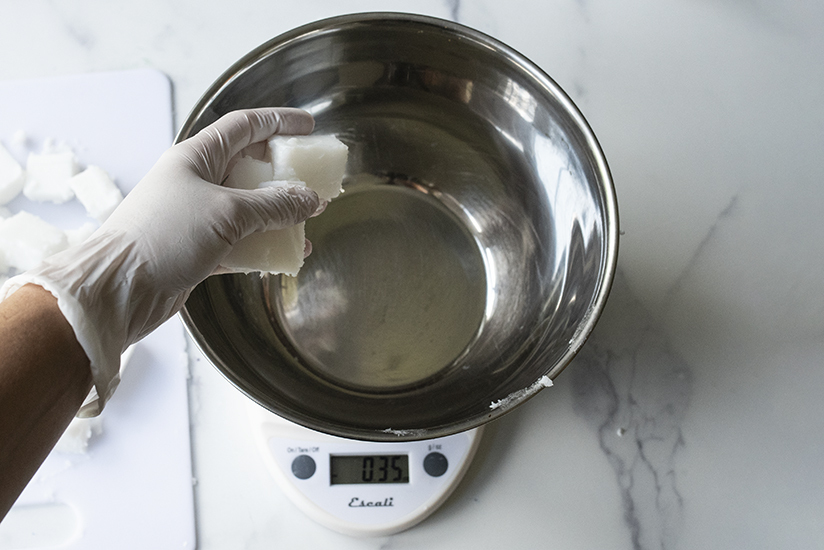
(350, 469)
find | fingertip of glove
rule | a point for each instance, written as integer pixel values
(285, 120)
(309, 200)
(296, 121)
(306, 199)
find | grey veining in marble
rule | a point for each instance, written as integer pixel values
(634, 390)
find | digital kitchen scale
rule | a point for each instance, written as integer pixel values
(357, 487)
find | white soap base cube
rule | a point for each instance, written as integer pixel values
(47, 176)
(96, 191)
(248, 173)
(276, 251)
(25, 240)
(12, 176)
(320, 161)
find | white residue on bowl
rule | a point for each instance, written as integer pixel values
(512, 398)
(402, 433)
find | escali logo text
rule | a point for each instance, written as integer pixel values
(358, 503)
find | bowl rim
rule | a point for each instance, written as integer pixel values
(540, 77)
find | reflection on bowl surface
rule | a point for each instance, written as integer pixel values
(469, 256)
(394, 295)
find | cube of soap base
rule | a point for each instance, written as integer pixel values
(12, 176)
(47, 176)
(275, 251)
(249, 173)
(320, 161)
(96, 191)
(25, 240)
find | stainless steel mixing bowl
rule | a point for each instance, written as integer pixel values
(468, 259)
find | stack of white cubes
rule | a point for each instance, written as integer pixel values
(319, 162)
(51, 176)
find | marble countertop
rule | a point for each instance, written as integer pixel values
(694, 417)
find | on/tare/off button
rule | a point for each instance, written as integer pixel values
(303, 467)
(435, 464)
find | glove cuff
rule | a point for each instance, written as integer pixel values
(90, 295)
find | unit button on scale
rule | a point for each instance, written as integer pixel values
(359, 487)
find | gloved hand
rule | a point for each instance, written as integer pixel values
(169, 234)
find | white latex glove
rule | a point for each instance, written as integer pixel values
(168, 235)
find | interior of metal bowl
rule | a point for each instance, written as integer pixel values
(468, 258)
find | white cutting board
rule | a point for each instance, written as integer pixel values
(132, 488)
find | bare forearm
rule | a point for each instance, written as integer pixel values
(44, 377)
